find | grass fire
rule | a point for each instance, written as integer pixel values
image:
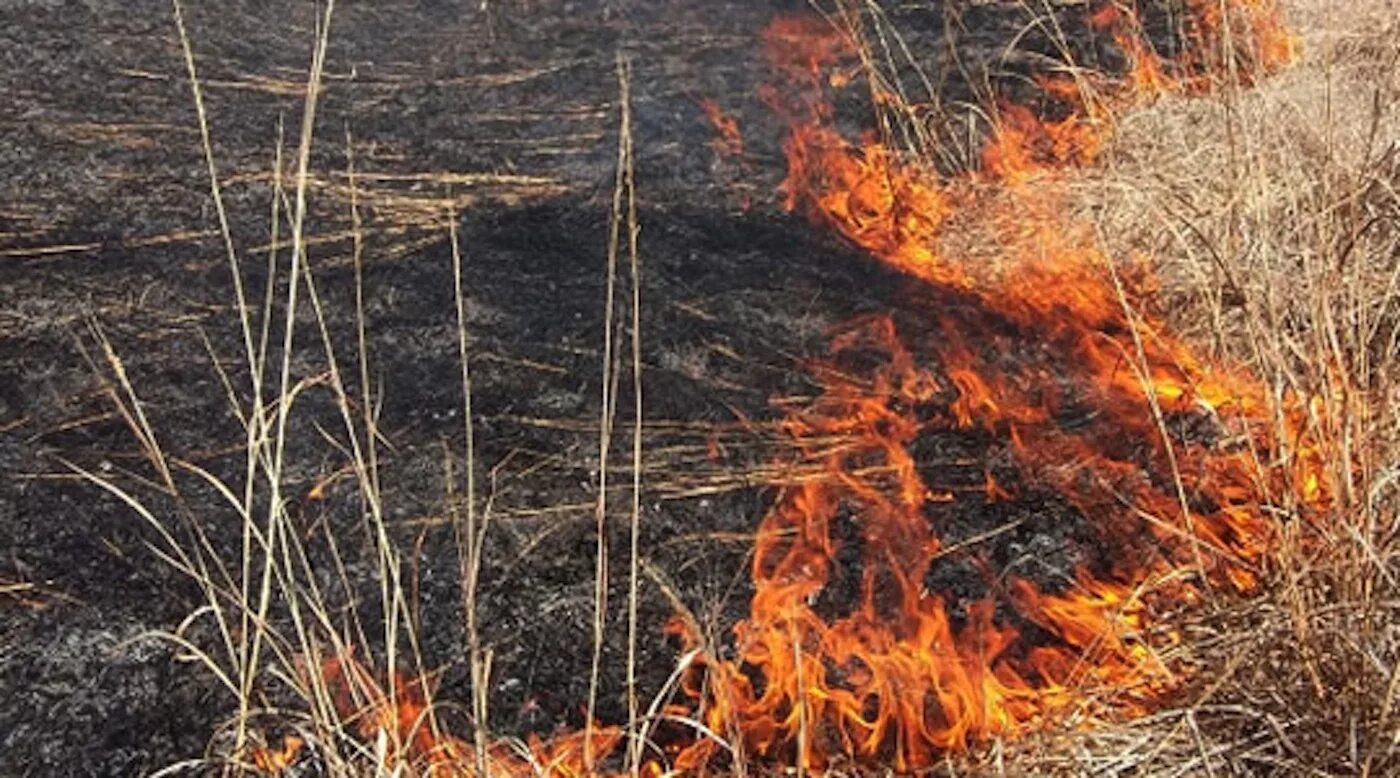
(650, 389)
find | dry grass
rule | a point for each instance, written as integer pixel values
(271, 620)
(276, 634)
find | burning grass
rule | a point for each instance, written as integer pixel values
(1183, 342)
(1272, 221)
(902, 682)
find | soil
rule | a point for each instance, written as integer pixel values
(107, 231)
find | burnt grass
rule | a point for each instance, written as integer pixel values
(106, 225)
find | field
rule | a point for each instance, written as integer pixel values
(564, 388)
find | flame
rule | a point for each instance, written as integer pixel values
(397, 712)
(276, 761)
(728, 140)
(1046, 328)
(399, 716)
(1250, 30)
(728, 146)
(1044, 347)
(899, 676)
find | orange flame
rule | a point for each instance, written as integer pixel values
(728, 145)
(276, 761)
(728, 140)
(902, 674)
(898, 676)
(1245, 37)
(402, 719)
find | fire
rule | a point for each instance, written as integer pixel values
(728, 140)
(1044, 347)
(1251, 30)
(1163, 460)
(398, 717)
(728, 146)
(276, 761)
(900, 675)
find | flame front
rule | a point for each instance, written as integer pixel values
(1044, 347)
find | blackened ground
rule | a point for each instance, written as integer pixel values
(508, 113)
